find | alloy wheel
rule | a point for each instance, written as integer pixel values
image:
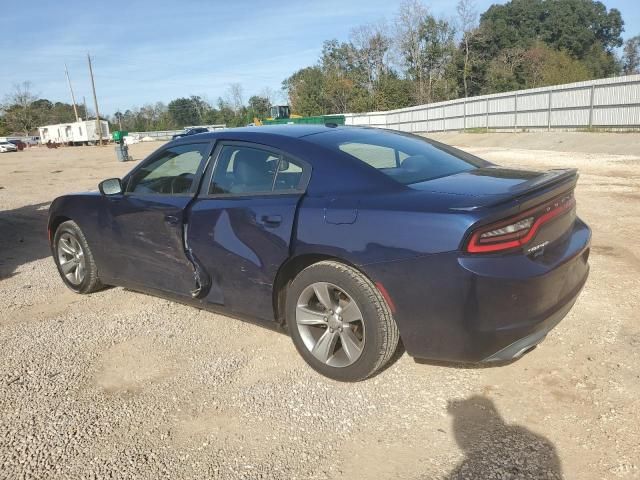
(71, 258)
(330, 324)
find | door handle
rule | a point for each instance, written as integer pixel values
(271, 220)
(171, 219)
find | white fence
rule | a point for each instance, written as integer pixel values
(158, 134)
(605, 103)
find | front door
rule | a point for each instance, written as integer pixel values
(240, 225)
(146, 244)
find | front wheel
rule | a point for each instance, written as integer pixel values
(74, 259)
(339, 322)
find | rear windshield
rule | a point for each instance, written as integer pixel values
(405, 158)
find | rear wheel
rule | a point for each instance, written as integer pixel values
(339, 322)
(74, 259)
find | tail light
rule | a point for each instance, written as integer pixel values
(518, 230)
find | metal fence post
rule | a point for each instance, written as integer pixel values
(427, 115)
(486, 119)
(593, 89)
(515, 112)
(549, 111)
(464, 115)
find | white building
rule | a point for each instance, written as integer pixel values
(78, 133)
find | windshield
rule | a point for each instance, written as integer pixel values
(405, 158)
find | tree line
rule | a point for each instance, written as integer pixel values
(412, 59)
(419, 58)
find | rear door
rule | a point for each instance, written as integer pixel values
(145, 224)
(241, 223)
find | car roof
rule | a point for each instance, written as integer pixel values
(285, 130)
(334, 172)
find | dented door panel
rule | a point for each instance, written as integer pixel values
(146, 241)
(241, 243)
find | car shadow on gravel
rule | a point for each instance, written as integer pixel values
(23, 237)
(495, 449)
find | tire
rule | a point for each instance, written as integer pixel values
(340, 347)
(70, 249)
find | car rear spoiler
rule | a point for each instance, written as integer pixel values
(541, 188)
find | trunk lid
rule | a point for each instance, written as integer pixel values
(502, 196)
(492, 186)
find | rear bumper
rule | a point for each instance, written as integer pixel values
(484, 308)
(521, 346)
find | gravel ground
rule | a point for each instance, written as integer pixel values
(123, 385)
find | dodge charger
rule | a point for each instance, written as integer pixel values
(353, 240)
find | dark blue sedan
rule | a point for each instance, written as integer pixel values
(354, 239)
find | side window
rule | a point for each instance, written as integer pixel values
(289, 175)
(377, 156)
(172, 173)
(242, 170)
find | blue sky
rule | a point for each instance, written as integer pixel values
(160, 50)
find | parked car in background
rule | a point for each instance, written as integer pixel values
(190, 131)
(353, 239)
(7, 147)
(19, 144)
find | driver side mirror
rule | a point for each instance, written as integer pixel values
(111, 186)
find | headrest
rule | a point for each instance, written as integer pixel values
(250, 167)
(415, 163)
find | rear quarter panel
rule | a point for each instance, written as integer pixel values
(447, 304)
(361, 231)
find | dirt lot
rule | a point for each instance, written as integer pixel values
(121, 385)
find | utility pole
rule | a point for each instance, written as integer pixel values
(95, 100)
(119, 119)
(73, 97)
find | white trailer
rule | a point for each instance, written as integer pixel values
(76, 133)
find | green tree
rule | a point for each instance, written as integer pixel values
(581, 30)
(4, 129)
(409, 44)
(467, 19)
(570, 25)
(341, 77)
(427, 48)
(560, 68)
(259, 106)
(601, 63)
(503, 73)
(305, 90)
(393, 92)
(538, 66)
(631, 56)
(370, 50)
(184, 112)
(439, 51)
(19, 113)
